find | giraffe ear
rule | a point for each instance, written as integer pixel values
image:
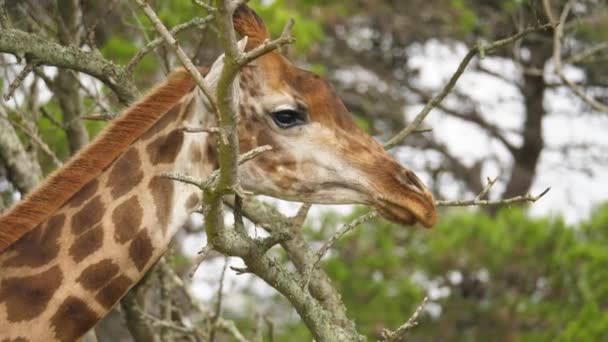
(242, 44)
(248, 23)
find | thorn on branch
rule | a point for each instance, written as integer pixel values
(274, 239)
(240, 270)
(198, 260)
(485, 190)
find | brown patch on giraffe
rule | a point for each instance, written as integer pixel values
(45, 200)
(127, 219)
(251, 108)
(96, 276)
(245, 143)
(196, 155)
(140, 250)
(27, 297)
(266, 163)
(73, 319)
(265, 138)
(286, 180)
(253, 92)
(87, 244)
(163, 122)
(192, 202)
(211, 155)
(88, 216)
(126, 173)
(164, 149)
(39, 246)
(241, 108)
(112, 292)
(18, 339)
(162, 192)
(84, 194)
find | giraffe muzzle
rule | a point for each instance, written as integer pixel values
(407, 201)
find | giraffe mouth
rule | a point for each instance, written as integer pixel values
(409, 213)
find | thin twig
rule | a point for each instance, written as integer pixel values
(230, 327)
(181, 55)
(212, 179)
(558, 34)
(485, 190)
(205, 6)
(211, 130)
(165, 305)
(35, 138)
(29, 67)
(479, 202)
(400, 333)
(225, 325)
(438, 98)
(583, 55)
(196, 22)
(218, 305)
(307, 273)
(5, 20)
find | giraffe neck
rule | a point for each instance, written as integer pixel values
(61, 278)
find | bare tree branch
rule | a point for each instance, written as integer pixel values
(437, 99)
(558, 34)
(196, 22)
(40, 50)
(401, 332)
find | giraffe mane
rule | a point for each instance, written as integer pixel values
(87, 164)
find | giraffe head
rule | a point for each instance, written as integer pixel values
(319, 154)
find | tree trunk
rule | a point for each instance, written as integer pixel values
(527, 156)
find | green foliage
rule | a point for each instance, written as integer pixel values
(466, 18)
(119, 49)
(276, 15)
(504, 278)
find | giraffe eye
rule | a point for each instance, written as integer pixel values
(286, 118)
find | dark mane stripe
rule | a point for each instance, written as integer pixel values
(53, 193)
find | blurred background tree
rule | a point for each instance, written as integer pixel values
(504, 276)
(507, 277)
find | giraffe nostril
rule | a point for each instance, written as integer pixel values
(408, 179)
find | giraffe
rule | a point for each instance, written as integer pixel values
(73, 247)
